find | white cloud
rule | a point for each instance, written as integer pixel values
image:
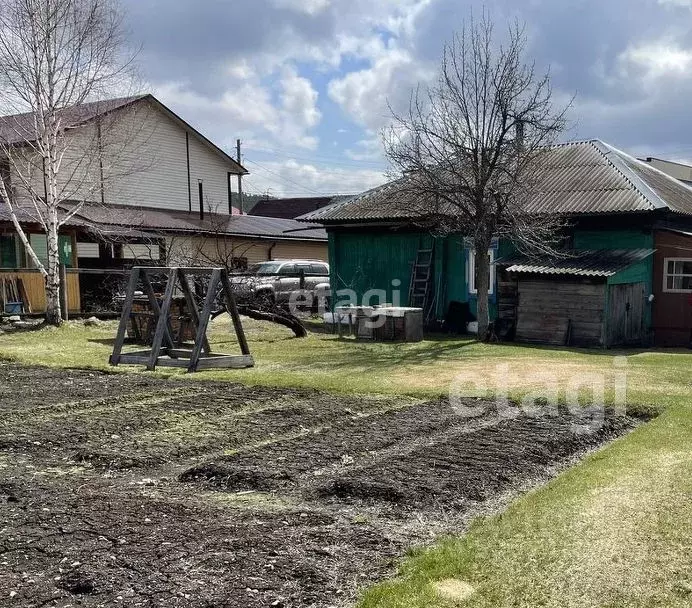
(306, 179)
(299, 109)
(309, 7)
(366, 95)
(656, 59)
(369, 149)
(248, 107)
(683, 3)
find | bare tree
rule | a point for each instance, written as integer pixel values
(471, 148)
(54, 56)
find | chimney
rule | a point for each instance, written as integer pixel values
(519, 128)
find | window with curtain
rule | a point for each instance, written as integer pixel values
(472, 272)
(677, 275)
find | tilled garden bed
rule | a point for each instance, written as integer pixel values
(135, 491)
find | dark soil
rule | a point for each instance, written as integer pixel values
(126, 490)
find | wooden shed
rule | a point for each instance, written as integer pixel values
(587, 298)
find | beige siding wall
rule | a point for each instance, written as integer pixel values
(144, 163)
(154, 171)
(286, 250)
(141, 251)
(212, 170)
(201, 251)
(87, 250)
(79, 172)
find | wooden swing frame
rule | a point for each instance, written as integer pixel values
(164, 350)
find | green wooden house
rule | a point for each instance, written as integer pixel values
(627, 278)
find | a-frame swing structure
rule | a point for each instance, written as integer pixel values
(165, 349)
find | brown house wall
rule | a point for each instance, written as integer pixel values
(671, 312)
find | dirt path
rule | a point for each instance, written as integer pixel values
(132, 491)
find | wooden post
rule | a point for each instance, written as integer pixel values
(125, 316)
(65, 314)
(153, 302)
(204, 320)
(233, 310)
(162, 324)
(192, 307)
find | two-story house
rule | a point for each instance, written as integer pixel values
(138, 183)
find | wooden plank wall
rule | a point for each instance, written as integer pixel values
(549, 308)
(626, 314)
(34, 285)
(508, 297)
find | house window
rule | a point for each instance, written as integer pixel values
(8, 251)
(39, 243)
(677, 275)
(472, 271)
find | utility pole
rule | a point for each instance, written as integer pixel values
(240, 182)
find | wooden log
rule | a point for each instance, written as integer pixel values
(226, 362)
(156, 310)
(287, 320)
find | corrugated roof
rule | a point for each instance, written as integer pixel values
(28, 215)
(591, 263)
(578, 178)
(182, 222)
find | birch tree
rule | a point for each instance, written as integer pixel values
(471, 148)
(54, 56)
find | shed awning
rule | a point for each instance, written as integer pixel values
(586, 263)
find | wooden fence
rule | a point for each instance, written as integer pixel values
(34, 288)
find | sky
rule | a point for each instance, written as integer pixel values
(307, 84)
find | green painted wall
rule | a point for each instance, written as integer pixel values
(641, 272)
(612, 239)
(362, 261)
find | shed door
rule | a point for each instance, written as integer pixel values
(626, 314)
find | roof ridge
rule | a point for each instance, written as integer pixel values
(651, 167)
(124, 98)
(613, 156)
(574, 142)
(347, 200)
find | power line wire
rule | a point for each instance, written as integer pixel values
(335, 160)
(281, 177)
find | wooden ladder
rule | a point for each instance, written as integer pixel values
(421, 277)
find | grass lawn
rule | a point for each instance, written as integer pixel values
(613, 531)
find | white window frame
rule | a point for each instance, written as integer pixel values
(666, 289)
(471, 279)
